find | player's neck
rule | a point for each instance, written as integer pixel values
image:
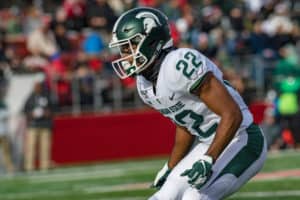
(151, 73)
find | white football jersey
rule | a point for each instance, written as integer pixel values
(182, 70)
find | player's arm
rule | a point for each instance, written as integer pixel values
(214, 94)
(182, 145)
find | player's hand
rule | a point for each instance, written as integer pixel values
(200, 172)
(161, 177)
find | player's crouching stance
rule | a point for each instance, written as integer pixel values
(217, 146)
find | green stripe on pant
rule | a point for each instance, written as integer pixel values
(247, 155)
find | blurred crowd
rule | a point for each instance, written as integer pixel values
(69, 40)
(255, 42)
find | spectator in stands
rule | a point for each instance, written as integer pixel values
(60, 17)
(101, 16)
(211, 16)
(235, 79)
(32, 19)
(267, 8)
(93, 46)
(75, 12)
(237, 20)
(38, 110)
(41, 42)
(288, 107)
(60, 34)
(93, 43)
(206, 46)
(85, 78)
(186, 24)
(287, 82)
(13, 23)
(59, 27)
(172, 9)
(279, 19)
(258, 40)
(59, 75)
(271, 129)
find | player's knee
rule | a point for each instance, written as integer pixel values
(172, 189)
(221, 188)
(166, 193)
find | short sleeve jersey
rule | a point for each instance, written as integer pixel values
(182, 71)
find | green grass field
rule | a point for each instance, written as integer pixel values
(130, 180)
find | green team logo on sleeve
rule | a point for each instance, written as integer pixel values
(189, 70)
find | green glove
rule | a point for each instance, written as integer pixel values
(200, 172)
(161, 177)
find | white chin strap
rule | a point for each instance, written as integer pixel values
(168, 44)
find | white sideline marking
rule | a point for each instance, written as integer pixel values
(136, 186)
(107, 167)
(106, 171)
(30, 195)
(76, 176)
(283, 153)
(94, 174)
(117, 188)
(283, 193)
(272, 179)
(86, 190)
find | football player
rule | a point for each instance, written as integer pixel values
(217, 146)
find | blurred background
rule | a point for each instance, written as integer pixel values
(61, 103)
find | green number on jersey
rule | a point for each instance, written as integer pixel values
(189, 56)
(197, 121)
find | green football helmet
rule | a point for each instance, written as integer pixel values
(140, 34)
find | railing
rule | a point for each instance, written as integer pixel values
(257, 70)
(110, 94)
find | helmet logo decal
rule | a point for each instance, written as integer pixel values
(150, 20)
(128, 29)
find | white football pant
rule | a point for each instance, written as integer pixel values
(239, 162)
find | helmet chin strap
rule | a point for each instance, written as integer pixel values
(168, 44)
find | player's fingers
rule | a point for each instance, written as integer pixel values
(194, 177)
(185, 173)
